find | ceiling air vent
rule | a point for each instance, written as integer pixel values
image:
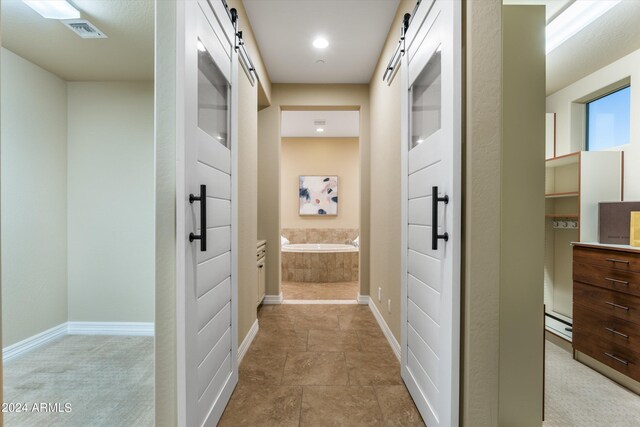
(319, 122)
(84, 29)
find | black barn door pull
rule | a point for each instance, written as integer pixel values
(203, 218)
(434, 218)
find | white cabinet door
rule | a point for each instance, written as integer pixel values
(431, 150)
(207, 331)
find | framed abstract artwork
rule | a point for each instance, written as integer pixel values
(318, 195)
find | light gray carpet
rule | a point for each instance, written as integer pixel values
(107, 380)
(579, 396)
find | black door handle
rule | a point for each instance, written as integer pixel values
(202, 198)
(434, 218)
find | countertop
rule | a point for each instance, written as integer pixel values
(623, 248)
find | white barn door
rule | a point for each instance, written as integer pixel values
(207, 325)
(431, 153)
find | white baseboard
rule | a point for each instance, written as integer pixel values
(111, 328)
(33, 342)
(363, 299)
(395, 346)
(273, 299)
(246, 342)
(320, 301)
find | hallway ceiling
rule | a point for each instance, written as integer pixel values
(127, 53)
(609, 38)
(336, 124)
(355, 29)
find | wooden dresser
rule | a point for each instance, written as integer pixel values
(606, 305)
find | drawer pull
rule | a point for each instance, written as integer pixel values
(621, 282)
(613, 331)
(622, 307)
(619, 261)
(617, 359)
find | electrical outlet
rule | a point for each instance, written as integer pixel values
(389, 306)
(379, 294)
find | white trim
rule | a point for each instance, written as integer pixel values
(395, 345)
(273, 299)
(33, 342)
(319, 301)
(363, 299)
(246, 342)
(145, 329)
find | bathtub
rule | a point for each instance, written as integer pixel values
(320, 263)
(318, 248)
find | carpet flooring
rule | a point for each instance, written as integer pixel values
(107, 381)
(576, 395)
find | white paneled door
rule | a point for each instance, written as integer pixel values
(207, 326)
(431, 150)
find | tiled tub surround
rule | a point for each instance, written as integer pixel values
(320, 235)
(320, 267)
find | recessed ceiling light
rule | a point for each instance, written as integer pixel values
(573, 19)
(319, 130)
(201, 47)
(320, 43)
(53, 9)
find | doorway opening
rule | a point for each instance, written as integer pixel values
(78, 209)
(320, 206)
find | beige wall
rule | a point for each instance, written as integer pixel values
(482, 140)
(320, 156)
(386, 199)
(296, 96)
(166, 386)
(110, 201)
(570, 130)
(247, 205)
(522, 193)
(34, 199)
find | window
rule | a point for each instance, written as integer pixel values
(213, 98)
(608, 120)
(426, 100)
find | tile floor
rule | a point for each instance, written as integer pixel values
(107, 380)
(320, 291)
(320, 365)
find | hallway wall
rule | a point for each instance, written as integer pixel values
(110, 201)
(570, 130)
(34, 195)
(320, 156)
(299, 96)
(386, 199)
(247, 205)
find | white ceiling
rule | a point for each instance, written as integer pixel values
(338, 124)
(356, 30)
(127, 54)
(609, 38)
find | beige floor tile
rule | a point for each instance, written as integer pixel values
(373, 339)
(373, 368)
(358, 320)
(263, 405)
(308, 321)
(320, 291)
(397, 406)
(315, 368)
(328, 340)
(262, 366)
(340, 406)
(280, 340)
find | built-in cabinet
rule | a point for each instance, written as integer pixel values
(262, 273)
(606, 305)
(575, 184)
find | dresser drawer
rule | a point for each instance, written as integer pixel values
(607, 277)
(615, 355)
(617, 304)
(625, 261)
(607, 327)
